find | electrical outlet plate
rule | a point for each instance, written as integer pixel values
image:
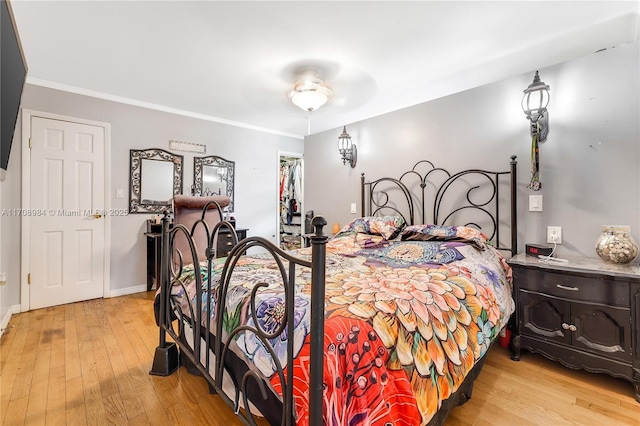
(554, 234)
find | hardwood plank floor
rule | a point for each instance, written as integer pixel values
(88, 363)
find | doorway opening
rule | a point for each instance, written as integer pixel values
(291, 217)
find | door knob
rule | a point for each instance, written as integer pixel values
(572, 327)
(565, 326)
(97, 215)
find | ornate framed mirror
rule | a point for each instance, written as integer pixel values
(156, 176)
(213, 175)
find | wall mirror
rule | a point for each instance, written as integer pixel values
(213, 175)
(156, 176)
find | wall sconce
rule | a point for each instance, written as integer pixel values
(347, 149)
(534, 104)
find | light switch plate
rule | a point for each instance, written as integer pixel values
(535, 203)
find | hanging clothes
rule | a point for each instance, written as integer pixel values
(290, 203)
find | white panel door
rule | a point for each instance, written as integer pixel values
(67, 222)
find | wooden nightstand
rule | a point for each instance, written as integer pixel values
(584, 314)
(154, 246)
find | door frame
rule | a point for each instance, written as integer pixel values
(288, 154)
(25, 252)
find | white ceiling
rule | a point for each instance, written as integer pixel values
(235, 62)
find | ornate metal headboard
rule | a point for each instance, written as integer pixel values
(430, 194)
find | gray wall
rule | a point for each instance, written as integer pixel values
(590, 164)
(255, 154)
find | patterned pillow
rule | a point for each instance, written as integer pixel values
(445, 233)
(388, 227)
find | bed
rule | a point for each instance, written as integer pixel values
(406, 302)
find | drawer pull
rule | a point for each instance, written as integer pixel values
(572, 327)
(564, 287)
(565, 326)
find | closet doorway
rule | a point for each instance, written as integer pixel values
(291, 217)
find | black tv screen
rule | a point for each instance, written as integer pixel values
(13, 71)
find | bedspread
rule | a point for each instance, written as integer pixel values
(405, 321)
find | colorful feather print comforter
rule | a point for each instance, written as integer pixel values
(405, 321)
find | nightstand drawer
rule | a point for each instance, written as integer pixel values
(575, 287)
(225, 241)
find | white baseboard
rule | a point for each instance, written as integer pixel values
(128, 290)
(13, 309)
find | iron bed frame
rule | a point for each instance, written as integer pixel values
(377, 196)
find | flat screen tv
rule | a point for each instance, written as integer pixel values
(13, 72)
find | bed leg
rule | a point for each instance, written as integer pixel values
(466, 396)
(636, 383)
(212, 390)
(165, 360)
(515, 348)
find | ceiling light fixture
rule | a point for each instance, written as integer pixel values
(347, 149)
(310, 93)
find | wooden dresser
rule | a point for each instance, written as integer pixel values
(224, 244)
(225, 240)
(584, 314)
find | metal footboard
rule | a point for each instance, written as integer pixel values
(167, 358)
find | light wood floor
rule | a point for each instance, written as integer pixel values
(88, 363)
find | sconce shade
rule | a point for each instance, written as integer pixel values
(344, 140)
(310, 94)
(347, 149)
(534, 104)
(536, 99)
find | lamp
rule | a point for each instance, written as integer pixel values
(347, 149)
(310, 93)
(534, 104)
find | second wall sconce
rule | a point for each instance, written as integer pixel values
(347, 149)
(534, 104)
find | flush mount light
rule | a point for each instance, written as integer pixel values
(310, 93)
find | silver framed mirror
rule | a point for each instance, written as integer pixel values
(155, 177)
(213, 175)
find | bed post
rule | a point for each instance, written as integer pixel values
(514, 206)
(316, 367)
(165, 359)
(362, 209)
